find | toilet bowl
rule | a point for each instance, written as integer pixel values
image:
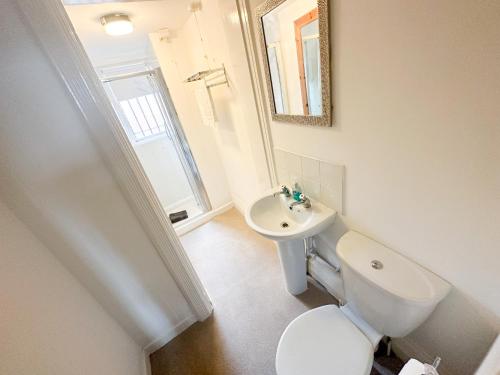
(387, 295)
(323, 341)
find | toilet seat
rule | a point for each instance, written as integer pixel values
(323, 341)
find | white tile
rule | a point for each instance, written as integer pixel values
(331, 175)
(332, 186)
(283, 177)
(310, 168)
(311, 188)
(294, 164)
(295, 179)
(280, 159)
(332, 198)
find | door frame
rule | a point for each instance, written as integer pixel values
(52, 27)
(299, 23)
(258, 88)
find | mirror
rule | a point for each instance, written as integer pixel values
(295, 46)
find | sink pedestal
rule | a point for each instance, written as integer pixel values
(293, 263)
(271, 216)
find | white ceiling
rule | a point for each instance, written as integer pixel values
(147, 17)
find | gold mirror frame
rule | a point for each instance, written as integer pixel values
(324, 45)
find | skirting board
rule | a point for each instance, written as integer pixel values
(147, 364)
(239, 205)
(202, 219)
(179, 204)
(177, 330)
(405, 348)
(159, 342)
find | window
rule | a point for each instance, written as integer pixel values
(139, 105)
(144, 115)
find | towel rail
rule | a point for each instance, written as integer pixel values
(209, 76)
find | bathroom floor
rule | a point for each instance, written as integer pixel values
(242, 274)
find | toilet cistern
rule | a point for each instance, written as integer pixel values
(271, 216)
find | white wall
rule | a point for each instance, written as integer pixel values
(50, 324)
(415, 93)
(201, 139)
(236, 137)
(244, 109)
(55, 181)
(163, 167)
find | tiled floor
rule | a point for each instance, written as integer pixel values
(241, 272)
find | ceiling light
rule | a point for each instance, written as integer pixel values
(117, 24)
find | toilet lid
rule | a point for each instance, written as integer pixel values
(323, 341)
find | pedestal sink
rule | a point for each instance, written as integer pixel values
(271, 217)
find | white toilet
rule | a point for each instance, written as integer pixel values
(386, 294)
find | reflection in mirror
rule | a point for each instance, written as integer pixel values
(307, 41)
(292, 42)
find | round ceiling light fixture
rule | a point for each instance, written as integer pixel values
(117, 24)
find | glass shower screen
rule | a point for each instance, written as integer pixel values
(147, 114)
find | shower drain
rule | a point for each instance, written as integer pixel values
(284, 224)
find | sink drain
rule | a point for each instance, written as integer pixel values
(284, 224)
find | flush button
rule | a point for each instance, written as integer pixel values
(377, 264)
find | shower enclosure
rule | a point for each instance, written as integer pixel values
(143, 104)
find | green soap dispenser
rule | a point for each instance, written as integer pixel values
(296, 192)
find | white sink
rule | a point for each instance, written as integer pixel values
(271, 217)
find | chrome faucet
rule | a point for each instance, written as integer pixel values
(303, 201)
(283, 190)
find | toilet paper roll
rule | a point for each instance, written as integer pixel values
(412, 367)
